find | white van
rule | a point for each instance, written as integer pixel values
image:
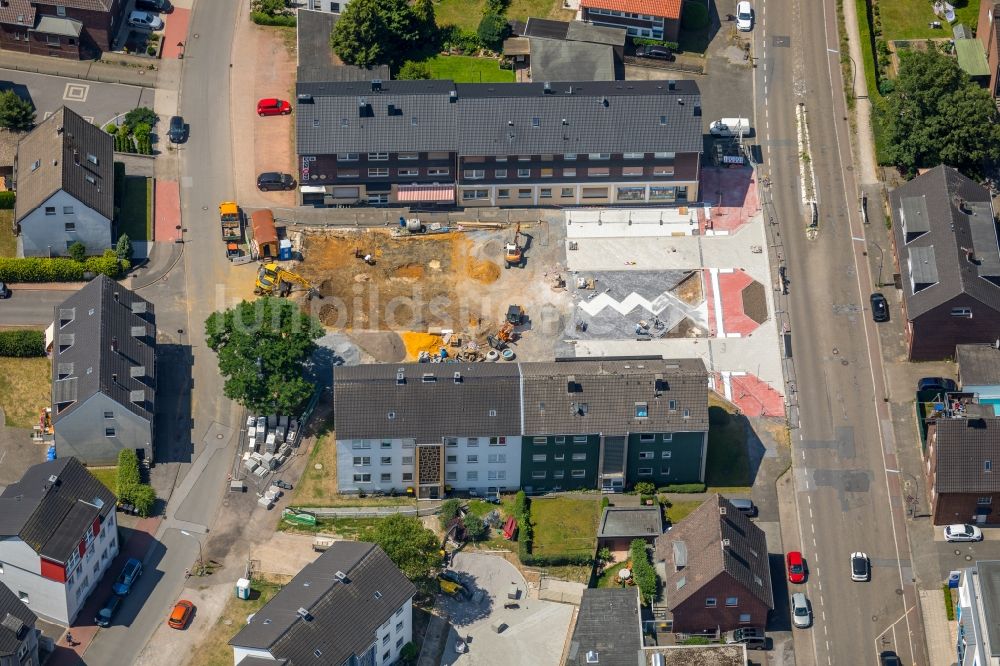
(730, 127)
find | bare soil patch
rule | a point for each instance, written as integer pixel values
(690, 290)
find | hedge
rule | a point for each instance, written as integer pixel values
(673, 46)
(22, 343)
(128, 474)
(643, 572)
(684, 488)
(260, 18)
(60, 269)
(525, 537)
(7, 200)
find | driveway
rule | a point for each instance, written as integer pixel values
(536, 631)
(96, 102)
(31, 307)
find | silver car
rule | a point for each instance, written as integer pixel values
(801, 613)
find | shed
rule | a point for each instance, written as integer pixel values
(972, 58)
(265, 235)
(620, 525)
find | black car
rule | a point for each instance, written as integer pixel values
(941, 384)
(4, 291)
(284, 485)
(657, 52)
(108, 610)
(889, 658)
(178, 130)
(163, 6)
(880, 308)
(271, 181)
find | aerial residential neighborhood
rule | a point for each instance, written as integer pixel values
(492, 332)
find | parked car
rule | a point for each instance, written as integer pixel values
(284, 485)
(801, 613)
(744, 16)
(861, 567)
(4, 291)
(130, 573)
(962, 533)
(177, 133)
(272, 106)
(154, 6)
(796, 567)
(656, 52)
(181, 614)
(145, 20)
(880, 307)
(889, 658)
(753, 637)
(271, 181)
(108, 610)
(942, 384)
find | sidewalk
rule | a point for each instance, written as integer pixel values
(942, 635)
(84, 630)
(89, 70)
(50, 286)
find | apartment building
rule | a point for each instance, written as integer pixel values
(58, 535)
(440, 143)
(497, 427)
(649, 19)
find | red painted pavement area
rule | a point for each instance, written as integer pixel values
(84, 630)
(176, 32)
(710, 301)
(167, 216)
(734, 319)
(735, 190)
(755, 397)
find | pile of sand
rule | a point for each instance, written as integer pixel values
(409, 271)
(483, 270)
(421, 342)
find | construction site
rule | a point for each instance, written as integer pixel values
(438, 294)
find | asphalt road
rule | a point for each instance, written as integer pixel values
(97, 102)
(31, 307)
(843, 448)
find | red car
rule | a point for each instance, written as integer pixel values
(273, 107)
(796, 567)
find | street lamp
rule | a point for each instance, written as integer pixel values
(881, 260)
(201, 562)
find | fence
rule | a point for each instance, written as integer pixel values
(389, 217)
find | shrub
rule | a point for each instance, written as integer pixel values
(673, 46)
(7, 199)
(696, 640)
(605, 503)
(412, 71)
(684, 488)
(493, 29)
(78, 251)
(111, 128)
(643, 572)
(260, 18)
(151, 50)
(22, 343)
(141, 115)
(452, 37)
(143, 499)
(694, 16)
(127, 478)
(409, 653)
(449, 509)
(59, 269)
(949, 603)
(474, 528)
(645, 488)
(123, 248)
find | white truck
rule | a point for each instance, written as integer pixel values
(730, 127)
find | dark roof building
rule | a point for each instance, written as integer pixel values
(72, 29)
(714, 555)
(333, 611)
(104, 347)
(624, 523)
(961, 454)
(568, 50)
(17, 629)
(316, 60)
(945, 240)
(608, 629)
(978, 365)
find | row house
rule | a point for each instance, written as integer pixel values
(58, 535)
(648, 19)
(64, 29)
(440, 143)
(490, 428)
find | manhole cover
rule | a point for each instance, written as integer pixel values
(219, 436)
(874, 618)
(835, 351)
(958, 552)
(318, 466)
(844, 361)
(196, 35)
(968, 558)
(204, 207)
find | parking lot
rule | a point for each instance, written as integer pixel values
(535, 630)
(98, 103)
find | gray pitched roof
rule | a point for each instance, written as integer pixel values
(316, 60)
(962, 446)
(576, 31)
(601, 396)
(698, 545)
(368, 401)
(546, 28)
(62, 146)
(608, 623)
(553, 60)
(343, 615)
(16, 620)
(499, 118)
(945, 231)
(51, 517)
(978, 365)
(630, 521)
(112, 349)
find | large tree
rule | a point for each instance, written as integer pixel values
(262, 346)
(376, 32)
(936, 115)
(411, 546)
(16, 113)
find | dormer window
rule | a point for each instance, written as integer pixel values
(641, 410)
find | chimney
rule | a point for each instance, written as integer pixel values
(680, 101)
(116, 297)
(76, 157)
(725, 543)
(604, 102)
(547, 88)
(453, 96)
(457, 377)
(114, 378)
(671, 85)
(376, 85)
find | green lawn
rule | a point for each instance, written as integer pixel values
(345, 528)
(466, 14)
(214, 650)
(609, 578)
(908, 19)
(728, 462)
(136, 218)
(564, 525)
(467, 69)
(106, 475)
(8, 242)
(678, 511)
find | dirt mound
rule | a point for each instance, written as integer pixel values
(483, 270)
(409, 271)
(416, 342)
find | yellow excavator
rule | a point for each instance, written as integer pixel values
(273, 280)
(513, 252)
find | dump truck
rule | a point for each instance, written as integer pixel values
(273, 280)
(231, 220)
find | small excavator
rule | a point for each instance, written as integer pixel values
(273, 280)
(513, 252)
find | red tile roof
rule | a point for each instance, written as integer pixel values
(665, 8)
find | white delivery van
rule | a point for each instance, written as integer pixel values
(730, 127)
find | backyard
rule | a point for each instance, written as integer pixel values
(24, 389)
(106, 475)
(467, 13)
(468, 69)
(910, 19)
(564, 526)
(678, 510)
(8, 242)
(728, 462)
(136, 217)
(215, 649)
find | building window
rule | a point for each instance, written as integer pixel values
(661, 170)
(545, 193)
(385, 460)
(645, 471)
(641, 410)
(452, 459)
(407, 460)
(386, 444)
(407, 476)
(569, 156)
(109, 432)
(634, 156)
(70, 227)
(744, 617)
(362, 461)
(599, 156)
(500, 173)
(524, 173)
(385, 655)
(52, 40)
(647, 438)
(497, 475)
(578, 473)
(982, 501)
(539, 440)
(633, 171)
(497, 458)
(503, 193)
(537, 474)
(524, 158)
(579, 439)
(399, 642)
(399, 627)
(348, 173)
(380, 172)
(664, 471)
(732, 601)
(539, 457)
(409, 172)
(50, 210)
(672, 405)
(67, 210)
(664, 156)
(109, 415)
(472, 441)
(665, 455)
(472, 459)
(546, 173)
(23, 596)
(438, 171)
(987, 465)
(569, 173)
(558, 474)
(474, 174)
(646, 455)
(524, 193)
(385, 477)
(559, 456)
(598, 172)
(955, 312)
(579, 456)
(595, 193)
(568, 192)
(710, 602)
(561, 439)
(378, 157)
(475, 194)
(347, 157)
(472, 476)
(451, 476)
(451, 441)
(409, 156)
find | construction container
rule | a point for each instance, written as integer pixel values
(270, 444)
(243, 588)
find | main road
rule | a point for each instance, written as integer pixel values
(844, 472)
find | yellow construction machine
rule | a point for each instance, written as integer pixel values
(513, 252)
(273, 280)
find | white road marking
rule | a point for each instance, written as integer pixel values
(810, 513)
(809, 499)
